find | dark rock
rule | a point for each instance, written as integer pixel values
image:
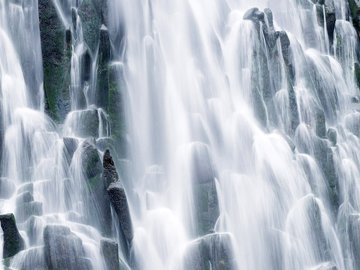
(7, 188)
(102, 90)
(332, 136)
(357, 73)
(56, 54)
(63, 249)
(213, 251)
(13, 242)
(330, 17)
(354, 7)
(91, 23)
(320, 124)
(86, 63)
(110, 174)
(204, 190)
(109, 250)
(119, 202)
(255, 15)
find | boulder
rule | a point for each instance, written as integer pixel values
(13, 242)
(63, 249)
(332, 136)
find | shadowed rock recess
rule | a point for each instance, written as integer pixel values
(180, 135)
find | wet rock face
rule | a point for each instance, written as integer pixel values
(84, 123)
(70, 146)
(354, 237)
(25, 204)
(56, 54)
(213, 251)
(91, 22)
(98, 200)
(354, 6)
(109, 249)
(110, 174)
(102, 91)
(13, 242)
(204, 189)
(63, 249)
(119, 201)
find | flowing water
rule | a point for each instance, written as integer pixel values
(240, 134)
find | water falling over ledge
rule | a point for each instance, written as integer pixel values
(153, 134)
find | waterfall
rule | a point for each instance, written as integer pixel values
(183, 134)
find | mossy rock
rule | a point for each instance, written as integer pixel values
(116, 109)
(56, 53)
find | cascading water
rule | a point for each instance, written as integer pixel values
(185, 135)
